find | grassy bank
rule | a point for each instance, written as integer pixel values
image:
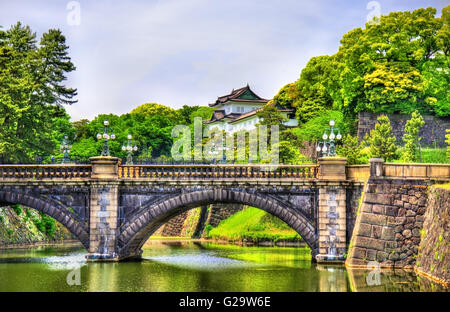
(253, 224)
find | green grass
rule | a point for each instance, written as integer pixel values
(430, 155)
(253, 224)
(444, 186)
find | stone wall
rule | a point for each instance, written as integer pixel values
(353, 198)
(388, 223)
(174, 226)
(433, 130)
(20, 230)
(185, 224)
(219, 212)
(434, 251)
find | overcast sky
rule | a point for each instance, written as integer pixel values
(177, 52)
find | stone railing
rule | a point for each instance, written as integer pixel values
(416, 171)
(200, 172)
(358, 172)
(40, 172)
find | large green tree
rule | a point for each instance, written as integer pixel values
(32, 90)
(396, 66)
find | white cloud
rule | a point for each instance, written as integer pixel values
(177, 52)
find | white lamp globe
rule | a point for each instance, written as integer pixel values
(99, 136)
(325, 136)
(339, 136)
(129, 137)
(124, 148)
(318, 148)
(113, 136)
(128, 148)
(332, 136)
(106, 122)
(135, 148)
(324, 148)
(332, 122)
(105, 136)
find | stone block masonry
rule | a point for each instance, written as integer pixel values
(332, 224)
(388, 223)
(432, 132)
(218, 212)
(433, 259)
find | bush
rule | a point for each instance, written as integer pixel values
(352, 150)
(381, 140)
(208, 229)
(17, 209)
(411, 137)
(313, 129)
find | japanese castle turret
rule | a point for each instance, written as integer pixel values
(237, 111)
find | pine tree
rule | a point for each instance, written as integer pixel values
(350, 149)
(411, 136)
(31, 91)
(382, 141)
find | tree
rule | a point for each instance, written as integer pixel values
(381, 140)
(313, 129)
(351, 149)
(411, 136)
(31, 91)
(271, 116)
(397, 65)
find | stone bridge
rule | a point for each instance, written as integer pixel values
(112, 209)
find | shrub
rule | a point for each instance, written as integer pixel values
(411, 137)
(208, 229)
(17, 209)
(352, 150)
(382, 141)
(313, 129)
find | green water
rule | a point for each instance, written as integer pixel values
(192, 266)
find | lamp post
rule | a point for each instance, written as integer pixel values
(128, 146)
(65, 148)
(329, 141)
(106, 137)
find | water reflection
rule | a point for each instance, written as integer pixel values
(194, 266)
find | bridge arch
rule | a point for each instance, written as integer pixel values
(134, 233)
(55, 210)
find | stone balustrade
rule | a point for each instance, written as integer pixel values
(200, 172)
(39, 172)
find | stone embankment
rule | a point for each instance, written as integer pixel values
(404, 224)
(433, 259)
(193, 222)
(388, 223)
(20, 230)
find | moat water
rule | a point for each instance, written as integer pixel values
(169, 266)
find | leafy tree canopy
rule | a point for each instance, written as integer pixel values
(32, 90)
(396, 66)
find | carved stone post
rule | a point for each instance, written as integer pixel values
(376, 167)
(332, 210)
(103, 209)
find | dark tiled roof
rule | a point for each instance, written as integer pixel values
(235, 94)
(253, 112)
(220, 114)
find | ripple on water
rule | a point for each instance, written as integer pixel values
(66, 262)
(202, 262)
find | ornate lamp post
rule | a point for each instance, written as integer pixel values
(106, 137)
(328, 144)
(65, 148)
(128, 146)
